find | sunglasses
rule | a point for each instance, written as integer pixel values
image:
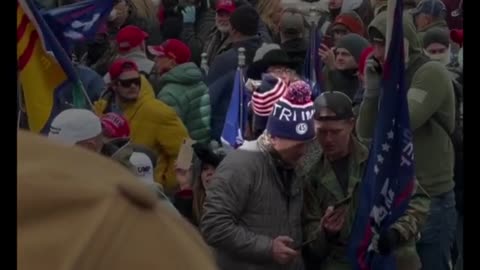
(129, 82)
(340, 31)
(437, 51)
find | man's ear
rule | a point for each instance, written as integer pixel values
(351, 124)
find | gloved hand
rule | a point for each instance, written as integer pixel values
(388, 241)
(373, 77)
(189, 14)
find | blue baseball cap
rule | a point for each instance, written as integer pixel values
(435, 8)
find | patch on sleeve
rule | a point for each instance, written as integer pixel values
(417, 95)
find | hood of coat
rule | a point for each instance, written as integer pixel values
(380, 24)
(104, 104)
(185, 74)
(146, 93)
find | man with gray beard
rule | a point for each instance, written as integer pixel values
(218, 40)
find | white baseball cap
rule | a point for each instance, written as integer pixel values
(143, 167)
(75, 125)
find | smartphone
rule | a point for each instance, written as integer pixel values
(185, 155)
(304, 243)
(342, 202)
(327, 40)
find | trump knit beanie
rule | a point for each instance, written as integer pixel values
(245, 20)
(264, 98)
(292, 115)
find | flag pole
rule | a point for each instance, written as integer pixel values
(391, 4)
(241, 66)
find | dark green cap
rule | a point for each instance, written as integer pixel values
(337, 102)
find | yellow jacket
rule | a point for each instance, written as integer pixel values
(155, 125)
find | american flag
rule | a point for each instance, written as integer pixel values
(389, 179)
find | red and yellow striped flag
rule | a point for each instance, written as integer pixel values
(40, 74)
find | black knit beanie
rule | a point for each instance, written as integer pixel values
(436, 35)
(245, 20)
(354, 44)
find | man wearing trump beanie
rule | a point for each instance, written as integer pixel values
(259, 178)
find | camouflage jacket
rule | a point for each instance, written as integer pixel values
(322, 190)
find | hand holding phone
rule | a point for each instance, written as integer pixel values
(327, 56)
(185, 155)
(333, 219)
(281, 250)
(298, 247)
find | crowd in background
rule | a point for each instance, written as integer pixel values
(160, 74)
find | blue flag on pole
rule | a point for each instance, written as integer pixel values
(236, 119)
(77, 22)
(313, 65)
(389, 179)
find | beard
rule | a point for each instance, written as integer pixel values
(223, 28)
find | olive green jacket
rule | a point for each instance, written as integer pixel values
(323, 190)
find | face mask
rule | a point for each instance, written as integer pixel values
(443, 58)
(460, 58)
(156, 3)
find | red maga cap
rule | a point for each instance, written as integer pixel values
(120, 65)
(173, 49)
(130, 37)
(225, 5)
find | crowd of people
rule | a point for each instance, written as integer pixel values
(161, 74)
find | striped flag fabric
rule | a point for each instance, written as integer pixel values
(77, 22)
(389, 180)
(45, 70)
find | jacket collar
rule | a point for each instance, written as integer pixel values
(327, 177)
(441, 23)
(246, 41)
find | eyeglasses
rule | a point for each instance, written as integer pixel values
(129, 82)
